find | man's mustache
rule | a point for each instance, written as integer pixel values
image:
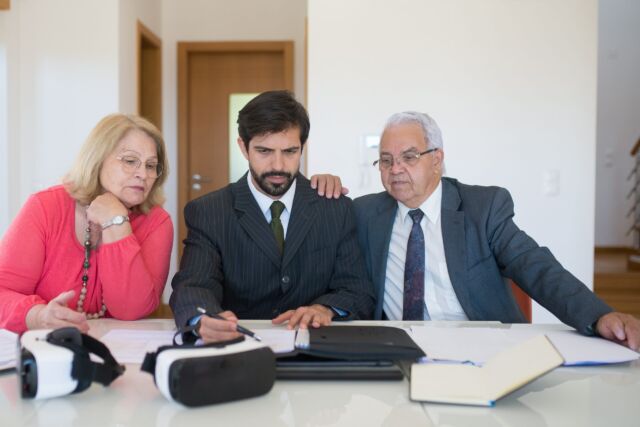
(274, 173)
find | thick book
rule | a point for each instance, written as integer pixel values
(348, 352)
(483, 386)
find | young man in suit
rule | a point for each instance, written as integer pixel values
(267, 246)
(439, 249)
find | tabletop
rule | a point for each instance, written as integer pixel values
(585, 396)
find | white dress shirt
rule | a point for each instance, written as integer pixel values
(440, 298)
(265, 202)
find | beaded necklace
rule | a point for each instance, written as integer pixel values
(85, 277)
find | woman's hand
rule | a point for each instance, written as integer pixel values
(104, 207)
(56, 314)
(102, 210)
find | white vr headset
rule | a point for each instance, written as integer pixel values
(214, 373)
(57, 362)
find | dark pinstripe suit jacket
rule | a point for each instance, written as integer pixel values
(231, 261)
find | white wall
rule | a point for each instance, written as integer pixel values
(5, 200)
(62, 79)
(512, 85)
(58, 82)
(618, 117)
(219, 20)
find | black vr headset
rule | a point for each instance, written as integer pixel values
(57, 362)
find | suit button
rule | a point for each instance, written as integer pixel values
(285, 279)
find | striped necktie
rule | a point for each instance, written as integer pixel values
(413, 307)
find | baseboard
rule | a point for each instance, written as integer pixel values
(162, 312)
(633, 262)
(623, 250)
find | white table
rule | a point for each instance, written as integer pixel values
(576, 396)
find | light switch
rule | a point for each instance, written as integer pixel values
(551, 182)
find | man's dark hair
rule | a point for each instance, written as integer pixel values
(272, 112)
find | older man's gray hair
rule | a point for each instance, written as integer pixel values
(431, 130)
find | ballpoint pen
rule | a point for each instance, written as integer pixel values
(239, 328)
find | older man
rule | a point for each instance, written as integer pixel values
(439, 249)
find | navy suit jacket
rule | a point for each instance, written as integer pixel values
(231, 260)
(482, 247)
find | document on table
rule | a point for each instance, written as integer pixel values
(8, 349)
(131, 345)
(477, 345)
(280, 340)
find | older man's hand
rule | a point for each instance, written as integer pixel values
(621, 328)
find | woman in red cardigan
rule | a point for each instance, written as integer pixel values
(97, 245)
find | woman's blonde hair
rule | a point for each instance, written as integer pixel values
(83, 180)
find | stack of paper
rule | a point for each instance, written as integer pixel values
(477, 345)
(8, 349)
(131, 345)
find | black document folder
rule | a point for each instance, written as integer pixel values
(348, 352)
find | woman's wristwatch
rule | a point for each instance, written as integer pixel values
(116, 220)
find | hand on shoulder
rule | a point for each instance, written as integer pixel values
(329, 186)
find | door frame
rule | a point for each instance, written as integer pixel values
(149, 74)
(184, 50)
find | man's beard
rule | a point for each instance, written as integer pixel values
(270, 188)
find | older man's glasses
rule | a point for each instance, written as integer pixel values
(408, 158)
(130, 164)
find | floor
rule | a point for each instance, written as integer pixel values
(615, 283)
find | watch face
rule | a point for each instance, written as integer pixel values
(117, 220)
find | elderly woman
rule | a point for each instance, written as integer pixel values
(96, 246)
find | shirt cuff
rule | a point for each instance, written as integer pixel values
(193, 322)
(592, 330)
(339, 313)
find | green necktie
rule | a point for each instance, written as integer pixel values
(276, 225)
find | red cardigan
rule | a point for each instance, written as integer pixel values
(40, 257)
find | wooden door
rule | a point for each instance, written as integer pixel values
(208, 73)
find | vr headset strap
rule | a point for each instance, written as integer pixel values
(101, 373)
(83, 368)
(149, 362)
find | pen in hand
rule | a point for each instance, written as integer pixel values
(239, 328)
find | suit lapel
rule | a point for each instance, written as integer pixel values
(379, 231)
(453, 236)
(303, 216)
(252, 220)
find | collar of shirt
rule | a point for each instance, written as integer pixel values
(264, 201)
(430, 207)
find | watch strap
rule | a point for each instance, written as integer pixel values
(121, 219)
